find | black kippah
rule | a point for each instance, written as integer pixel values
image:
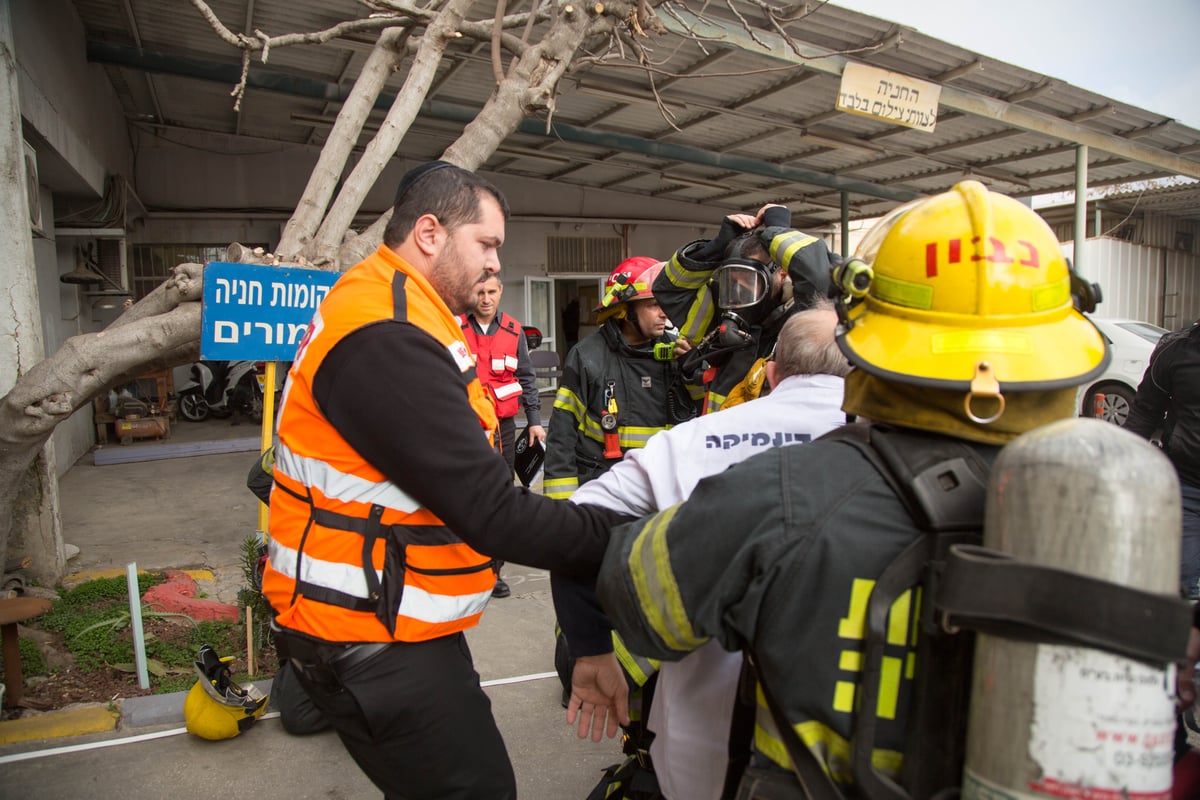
(415, 174)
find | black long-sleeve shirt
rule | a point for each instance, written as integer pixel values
(1169, 396)
(395, 395)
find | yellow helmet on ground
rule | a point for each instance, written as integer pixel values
(970, 292)
(216, 707)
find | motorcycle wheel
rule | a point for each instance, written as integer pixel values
(193, 407)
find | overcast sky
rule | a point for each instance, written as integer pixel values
(1143, 53)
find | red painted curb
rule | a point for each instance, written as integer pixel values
(178, 595)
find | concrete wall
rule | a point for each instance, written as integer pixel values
(71, 116)
(67, 104)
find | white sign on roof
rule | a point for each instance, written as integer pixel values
(889, 96)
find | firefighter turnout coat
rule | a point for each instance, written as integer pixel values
(781, 550)
(641, 387)
(693, 702)
(352, 557)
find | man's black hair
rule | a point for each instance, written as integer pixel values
(748, 245)
(449, 192)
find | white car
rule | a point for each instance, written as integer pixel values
(1110, 396)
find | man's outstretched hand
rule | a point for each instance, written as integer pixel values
(599, 696)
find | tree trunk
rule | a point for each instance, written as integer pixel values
(384, 59)
(400, 116)
(528, 88)
(161, 331)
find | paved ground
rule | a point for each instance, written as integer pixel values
(194, 512)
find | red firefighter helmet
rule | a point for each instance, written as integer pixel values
(632, 279)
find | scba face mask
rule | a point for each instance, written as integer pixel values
(742, 287)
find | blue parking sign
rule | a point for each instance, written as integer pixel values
(256, 313)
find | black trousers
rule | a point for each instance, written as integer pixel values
(413, 716)
(506, 441)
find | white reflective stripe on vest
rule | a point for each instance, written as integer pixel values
(419, 604)
(416, 603)
(498, 364)
(338, 485)
(510, 362)
(344, 578)
(506, 390)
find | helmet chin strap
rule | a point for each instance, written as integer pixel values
(631, 317)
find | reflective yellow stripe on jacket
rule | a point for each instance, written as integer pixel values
(700, 314)
(352, 557)
(656, 587)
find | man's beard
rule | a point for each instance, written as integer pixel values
(457, 289)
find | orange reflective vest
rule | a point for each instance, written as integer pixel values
(496, 360)
(352, 557)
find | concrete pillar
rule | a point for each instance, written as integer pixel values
(35, 529)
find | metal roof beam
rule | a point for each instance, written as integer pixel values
(958, 72)
(771, 45)
(437, 109)
(1033, 91)
(679, 152)
(1092, 113)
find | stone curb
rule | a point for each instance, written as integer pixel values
(131, 712)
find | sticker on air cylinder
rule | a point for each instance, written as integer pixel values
(1103, 726)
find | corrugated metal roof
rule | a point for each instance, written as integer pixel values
(725, 103)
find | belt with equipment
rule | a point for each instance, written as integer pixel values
(307, 654)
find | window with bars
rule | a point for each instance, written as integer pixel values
(151, 264)
(575, 254)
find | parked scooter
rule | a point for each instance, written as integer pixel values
(222, 388)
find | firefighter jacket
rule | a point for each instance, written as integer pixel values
(1169, 397)
(782, 551)
(693, 702)
(599, 366)
(682, 290)
(502, 361)
(353, 557)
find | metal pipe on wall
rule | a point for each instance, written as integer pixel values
(1081, 167)
(845, 224)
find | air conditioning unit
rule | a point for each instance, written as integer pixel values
(32, 191)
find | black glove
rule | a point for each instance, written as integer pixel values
(776, 220)
(715, 248)
(777, 217)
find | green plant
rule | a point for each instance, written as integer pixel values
(32, 660)
(101, 593)
(253, 549)
(96, 626)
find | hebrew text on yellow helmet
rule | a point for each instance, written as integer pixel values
(970, 292)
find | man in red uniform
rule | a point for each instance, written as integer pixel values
(503, 365)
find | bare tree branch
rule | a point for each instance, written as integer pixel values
(497, 64)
